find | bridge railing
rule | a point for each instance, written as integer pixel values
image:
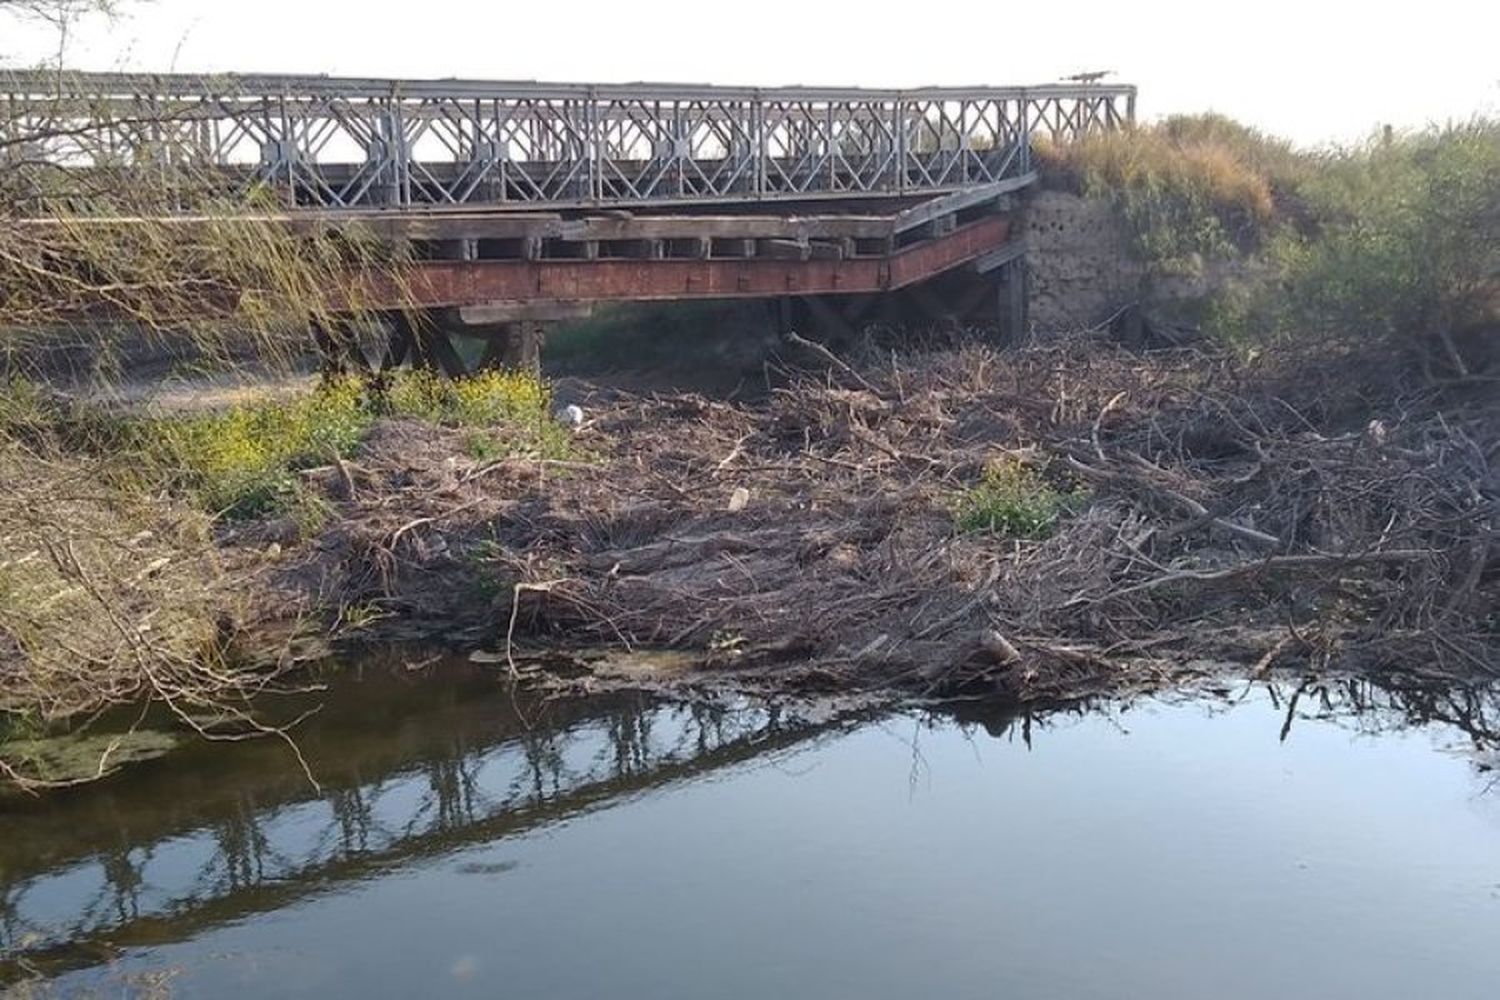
(344, 143)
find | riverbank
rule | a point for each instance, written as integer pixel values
(1034, 524)
(1037, 524)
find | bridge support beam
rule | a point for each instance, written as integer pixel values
(993, 299)
(514, 346)
(1015, 302)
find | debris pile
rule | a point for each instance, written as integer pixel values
(1205, 514)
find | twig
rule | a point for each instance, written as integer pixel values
(831, 358)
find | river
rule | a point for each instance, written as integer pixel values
(1247, 841)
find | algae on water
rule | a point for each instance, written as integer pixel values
(84, 756)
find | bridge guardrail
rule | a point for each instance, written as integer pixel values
(336, 143)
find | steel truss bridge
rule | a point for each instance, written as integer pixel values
(529, 202)
(350, 143)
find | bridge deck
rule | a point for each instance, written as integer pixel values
(548, 264)
(766, 269)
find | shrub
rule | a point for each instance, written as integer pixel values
(517, 403)
(481, 400)
(1403, 240)
(241, 462)
(1013, 500)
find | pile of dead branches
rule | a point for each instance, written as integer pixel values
(812, 535)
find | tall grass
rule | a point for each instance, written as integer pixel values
(1189, 187)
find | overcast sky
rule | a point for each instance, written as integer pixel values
(1314, 70)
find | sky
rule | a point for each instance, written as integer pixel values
(1316, 71)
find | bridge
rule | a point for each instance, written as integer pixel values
(528, 203)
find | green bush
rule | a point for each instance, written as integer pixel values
(1402, 240)
(1014, 501)
(242, 462)
(483, 400)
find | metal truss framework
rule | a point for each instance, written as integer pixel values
(345, 143)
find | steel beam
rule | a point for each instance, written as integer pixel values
(440, 284)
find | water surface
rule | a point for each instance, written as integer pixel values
(468, 843)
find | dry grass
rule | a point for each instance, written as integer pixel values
(107, 598)
(1190, 186)
(1227, 166)
(813, 538)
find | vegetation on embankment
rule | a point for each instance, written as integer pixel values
(1395, 240)
(116, 584)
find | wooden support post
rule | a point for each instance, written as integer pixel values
(421, 350)
(1017, 287)
(520, 347)
(440, 348)
(329, 363)
(339, 349)
(1015, 302)
(423, 338)
(782, 315)
(496, 340)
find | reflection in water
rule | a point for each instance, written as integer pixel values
(185, 843)
(1359, 705)
(418, 767)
